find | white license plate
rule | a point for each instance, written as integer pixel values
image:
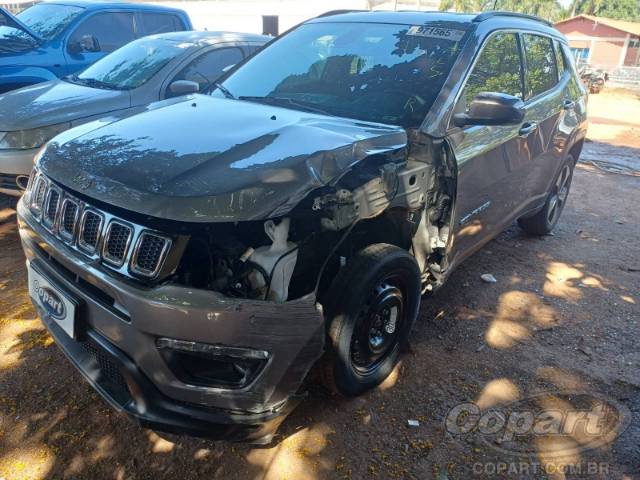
(58, 306)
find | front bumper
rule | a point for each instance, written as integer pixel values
(122, 321)
(14, 163)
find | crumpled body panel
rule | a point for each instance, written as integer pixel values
(210, 160)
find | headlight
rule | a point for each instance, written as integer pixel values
(28, 139)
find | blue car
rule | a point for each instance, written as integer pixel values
(56, 38)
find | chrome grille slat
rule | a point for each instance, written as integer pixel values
(50, 213)
(38, 196)
(90, 230)
(116, 243)
(68, 219)
(149, 253)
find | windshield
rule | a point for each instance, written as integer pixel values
(375, 72)
(13, 40)
(48, 19)
(132, 65)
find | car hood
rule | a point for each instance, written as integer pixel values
(55, 102)
(210, 159)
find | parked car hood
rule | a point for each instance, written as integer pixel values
(208, 159)
(55, 102)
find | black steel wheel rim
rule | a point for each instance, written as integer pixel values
(379, 323)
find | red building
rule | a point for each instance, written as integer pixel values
(603, 41)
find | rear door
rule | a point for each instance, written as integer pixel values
(545, 108)
(111, 30)
(492, 160)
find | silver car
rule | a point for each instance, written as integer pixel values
(149, 69)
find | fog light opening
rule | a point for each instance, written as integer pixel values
(208, 365)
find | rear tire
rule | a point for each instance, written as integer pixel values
(370, 309)
(543, 222)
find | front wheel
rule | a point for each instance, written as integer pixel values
(370, 309)
(543, 222)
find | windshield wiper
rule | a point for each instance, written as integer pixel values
(225, 91)
(283, 101)
(94, 83)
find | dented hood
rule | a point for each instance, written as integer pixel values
(208, 159)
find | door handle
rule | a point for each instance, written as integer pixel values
(568, 104)
(527, 129)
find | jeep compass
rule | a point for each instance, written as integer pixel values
(197, 260)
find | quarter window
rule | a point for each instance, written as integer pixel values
(498, 69)
(541, 70)
(152, 23)
(111, 29)
(560, 58)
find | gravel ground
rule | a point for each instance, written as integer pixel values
(562, 316)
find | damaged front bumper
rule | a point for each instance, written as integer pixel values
(126, 333)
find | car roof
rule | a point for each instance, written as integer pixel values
(209, 38)
(101, 5)
(488, 20)
(399, 17)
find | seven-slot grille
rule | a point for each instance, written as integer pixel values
(123, 246)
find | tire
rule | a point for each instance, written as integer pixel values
(543, 222)
(370, 309)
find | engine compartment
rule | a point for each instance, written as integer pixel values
(404, 198)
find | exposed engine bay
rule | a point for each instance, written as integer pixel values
(403, 197)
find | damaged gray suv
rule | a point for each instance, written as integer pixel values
(196, 260)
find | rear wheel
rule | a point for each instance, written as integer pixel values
(543, 222)
(370, 308)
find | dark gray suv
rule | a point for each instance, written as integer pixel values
(195, 261)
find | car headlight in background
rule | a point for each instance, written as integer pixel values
(28, 139)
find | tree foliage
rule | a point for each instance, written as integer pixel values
(551, 10)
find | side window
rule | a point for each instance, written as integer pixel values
(249, 49)
(111, 30)
(541, 69)
(498, 69)
(152, 23)
(208, 67)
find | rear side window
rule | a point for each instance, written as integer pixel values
(111, 29)
(208, 67)
(541, 69)
(152, 23)
(498, 69)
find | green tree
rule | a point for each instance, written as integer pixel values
(549, 9)
(618, 9)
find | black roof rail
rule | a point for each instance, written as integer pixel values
(338, 12)
(495, 13)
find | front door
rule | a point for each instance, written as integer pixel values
(96, 36)
(493, 161)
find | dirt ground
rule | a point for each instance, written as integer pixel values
(563, 316)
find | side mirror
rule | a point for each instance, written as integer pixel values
(87, 43)
(490, 108)
(184, 87)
